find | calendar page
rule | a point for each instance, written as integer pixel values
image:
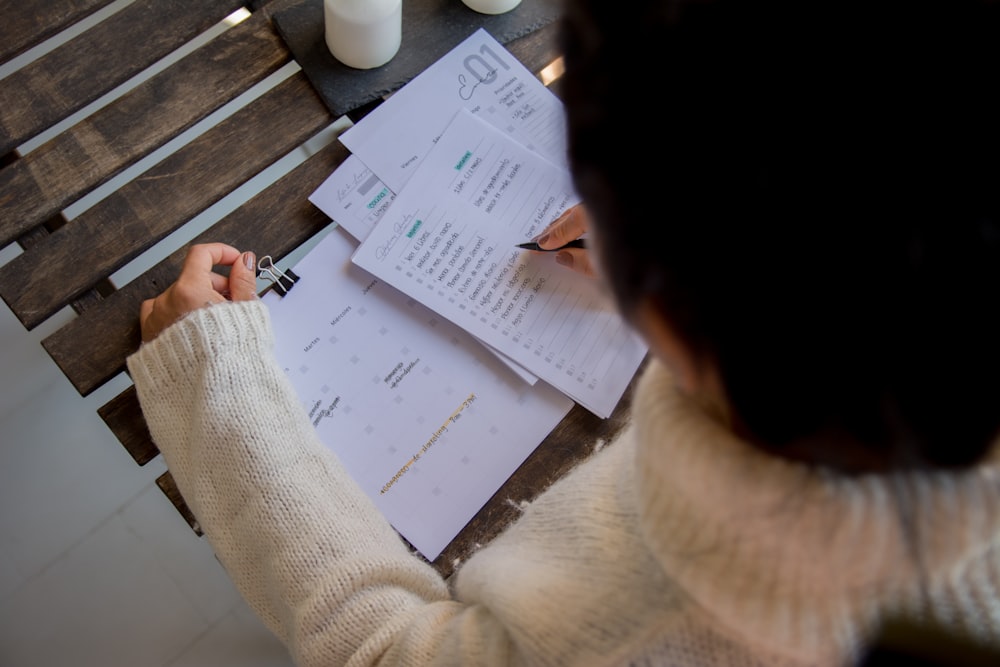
(426, 420)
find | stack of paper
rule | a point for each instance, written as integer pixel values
(416, 351)
(417, 411)
(459, 166)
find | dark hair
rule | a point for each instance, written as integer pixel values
(808, 191)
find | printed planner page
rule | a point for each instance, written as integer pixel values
(448, 240)
(479, 75)
(424, 418)
(355, 199)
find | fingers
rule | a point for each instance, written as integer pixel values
(197, 271)
(572, 224)
(145, 310)
(243, 278)
(155, 315)
(220, 283)
(199, 286)
(240, 285)
(203, 256)
(576, 259)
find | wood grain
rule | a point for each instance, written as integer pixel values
(81, 70)
(275, 222)
(94, 150)
(538, 49)
(110, 332)
(142, 212)
(29, 22)
(169, 487)
(123, 415)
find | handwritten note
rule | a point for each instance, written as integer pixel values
(354, 197)
(448, 241)
(427, 422)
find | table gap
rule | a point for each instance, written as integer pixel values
(208, 122)
(123, 88)
(227, 204)
(75, 30)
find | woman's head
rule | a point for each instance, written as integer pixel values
(806, 192)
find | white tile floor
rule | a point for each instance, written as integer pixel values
(96, 566)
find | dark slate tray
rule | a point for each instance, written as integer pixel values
(431, 28)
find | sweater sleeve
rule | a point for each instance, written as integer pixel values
(305, 546)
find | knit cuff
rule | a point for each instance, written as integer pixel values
(241, 328)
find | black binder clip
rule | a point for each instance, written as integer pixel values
(282, 280)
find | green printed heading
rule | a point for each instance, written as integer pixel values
(461, 163)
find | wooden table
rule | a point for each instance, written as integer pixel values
(71, 261)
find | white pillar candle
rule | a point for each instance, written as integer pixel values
(491, 6)
(363, 33)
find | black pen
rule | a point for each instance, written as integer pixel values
(531, 245)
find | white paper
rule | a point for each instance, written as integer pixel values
(387, 145)
(427, 422)
(479, 75)
(355, 199)
(448, 240)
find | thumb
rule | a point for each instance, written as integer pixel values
(578, 260)
(563, 229)
(243, 278)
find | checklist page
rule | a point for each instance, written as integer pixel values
(355, 199)
(448, 240)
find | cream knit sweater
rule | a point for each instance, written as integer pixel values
(677, 544)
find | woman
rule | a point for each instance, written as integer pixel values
(807, 239)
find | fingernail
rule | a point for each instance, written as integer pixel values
(541, 240)
(249, 259)
(564, 258)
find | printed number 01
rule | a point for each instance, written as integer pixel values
(475, 62)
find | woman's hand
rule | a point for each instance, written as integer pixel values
(572, 224)
(199, 286)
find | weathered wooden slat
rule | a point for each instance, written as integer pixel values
(40, 233)
(537, 49)
(54, 175)
(169, 487)
(28, 23)
(274, 222)
(111, 332)
(88, 298)
(140, 213)
(123, 415)
(78, 72)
